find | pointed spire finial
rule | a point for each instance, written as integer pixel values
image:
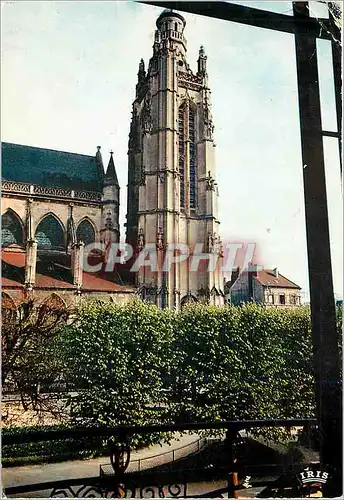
(142, 72)
(202, 61)
(111, 176)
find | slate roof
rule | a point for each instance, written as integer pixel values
(111, 175)
(50, 168)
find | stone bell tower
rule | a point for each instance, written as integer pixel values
(172, 189)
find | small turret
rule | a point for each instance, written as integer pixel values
(111, 175)
(99, 162)
(202, 62)
(141, 78)
(170, 27)
(109, 232)
(142, 73)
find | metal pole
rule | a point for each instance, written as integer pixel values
(337, 76)
(324, 333)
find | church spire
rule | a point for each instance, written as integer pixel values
(111, 175)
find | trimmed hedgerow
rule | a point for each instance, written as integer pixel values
(135, 364)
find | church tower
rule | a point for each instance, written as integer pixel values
(172, 189)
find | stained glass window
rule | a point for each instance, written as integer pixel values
(186, 125)
(85, 232)
(192, 155)
(181, 141)
(49, 234)
(11, 229)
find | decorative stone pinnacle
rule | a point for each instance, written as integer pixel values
(98, 148)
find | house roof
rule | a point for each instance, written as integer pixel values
(50, 168)
(54, 272)
(267, 278)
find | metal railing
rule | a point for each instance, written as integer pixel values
(160, 483)
(168, 457)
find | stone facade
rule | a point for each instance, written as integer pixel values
(54, 203)
(172, 189)
(46, 227)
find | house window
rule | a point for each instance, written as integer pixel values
(292, 299)
(282, 299)
(271, 299)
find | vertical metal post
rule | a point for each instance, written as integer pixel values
(232, 474)
(324, 334)
(337, 77)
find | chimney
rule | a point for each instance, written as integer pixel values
(275, 272)
(77, 257)
(235, 274)
(252, 271)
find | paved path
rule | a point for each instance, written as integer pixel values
(29, 474)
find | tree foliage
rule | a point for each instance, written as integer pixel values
(136, 364)
(118, 358)
(29, 358)
(245, 362)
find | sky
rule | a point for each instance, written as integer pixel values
(69, 71)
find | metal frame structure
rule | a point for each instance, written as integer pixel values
(325, 337)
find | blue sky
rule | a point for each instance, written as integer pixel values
(68, 81)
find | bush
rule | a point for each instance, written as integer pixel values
(135, 364)
(47, 451)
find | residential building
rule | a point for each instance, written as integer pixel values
(263, 286)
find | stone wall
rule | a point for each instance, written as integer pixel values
(14, 414)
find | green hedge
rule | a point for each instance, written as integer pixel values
(59, 450)
(48, 451)
(203, 363)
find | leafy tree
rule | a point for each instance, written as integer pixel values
(118, 358)
(245, 362)
(29, 358)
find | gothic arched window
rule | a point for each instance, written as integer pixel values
(11, 229)
(50, 234)
(187, 149)
(181, 145)
(85, 232)
(192, 158)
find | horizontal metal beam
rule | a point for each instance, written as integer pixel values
(91, 432)
(326, 133)
(250, 16)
